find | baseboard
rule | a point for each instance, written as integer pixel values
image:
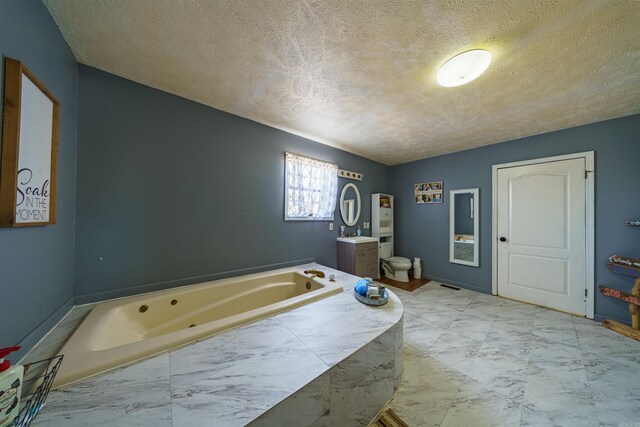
(159, 286)
(459, 284)
(43, 329)
(597, 317)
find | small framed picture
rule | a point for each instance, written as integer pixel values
(428, 192)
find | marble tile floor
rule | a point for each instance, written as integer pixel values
(472, 359)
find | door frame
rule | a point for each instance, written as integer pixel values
(589, 220)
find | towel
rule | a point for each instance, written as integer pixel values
(361, 287)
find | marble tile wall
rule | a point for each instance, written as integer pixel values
(363, 383)
(351, 393)
(398, 356)
(310, 406)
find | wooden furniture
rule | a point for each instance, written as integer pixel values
(628, 267)
(359, 256)
(28, 168)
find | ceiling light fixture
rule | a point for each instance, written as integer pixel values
(463, 68)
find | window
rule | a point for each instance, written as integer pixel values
(311, 188)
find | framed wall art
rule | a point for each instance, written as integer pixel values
(428, 192)
(28, 166)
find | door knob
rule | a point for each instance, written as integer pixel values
(503, 239)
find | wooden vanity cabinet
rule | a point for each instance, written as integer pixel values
(359, 259)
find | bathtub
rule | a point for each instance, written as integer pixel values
(125, 330)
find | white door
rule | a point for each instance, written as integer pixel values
(541, 234)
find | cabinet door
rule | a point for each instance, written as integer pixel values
(362, 257)
(367, 263)
(367, 270)
(372, 256)
(373, 271)
(367, 256)
(386, 214)
(346, 258)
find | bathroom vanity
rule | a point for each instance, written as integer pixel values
(359, 256)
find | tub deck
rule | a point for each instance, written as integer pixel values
(125, 330)
(308, 366)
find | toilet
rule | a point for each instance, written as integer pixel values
(394, 267)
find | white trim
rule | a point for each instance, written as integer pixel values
(343, 210)
(350, 175)
(476, 224)
(590, 255)
(589, 157)
(310, 218)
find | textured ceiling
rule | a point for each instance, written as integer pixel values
(360, 75)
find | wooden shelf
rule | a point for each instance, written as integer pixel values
(625, 265)
(621, 328)
(623, 269)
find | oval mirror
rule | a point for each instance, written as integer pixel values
(350, 204)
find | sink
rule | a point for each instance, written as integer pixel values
(357, 239)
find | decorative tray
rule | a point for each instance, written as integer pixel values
(382, 301)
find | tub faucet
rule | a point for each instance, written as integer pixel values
(316, 273)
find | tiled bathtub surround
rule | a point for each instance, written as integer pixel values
(332, 362)
(51, 344)
(55, 339)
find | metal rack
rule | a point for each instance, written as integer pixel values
(38, 378)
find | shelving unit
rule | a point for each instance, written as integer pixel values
(628, 267)
(382, 218)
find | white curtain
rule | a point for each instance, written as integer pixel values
(311, 188)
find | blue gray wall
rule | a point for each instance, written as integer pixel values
(36, 263)
(170, 192)
(617, 151)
